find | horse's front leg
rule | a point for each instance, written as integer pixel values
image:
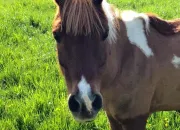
(114, 124)
(138, 123)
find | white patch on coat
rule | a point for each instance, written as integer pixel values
(84, 90)
(176, 61)
(112, 36)
(136, 30)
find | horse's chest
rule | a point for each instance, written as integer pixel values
(127, 102)
(120, 105)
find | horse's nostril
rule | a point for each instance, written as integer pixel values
(97, 103)
(74, 105)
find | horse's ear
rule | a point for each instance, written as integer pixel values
(97, 2)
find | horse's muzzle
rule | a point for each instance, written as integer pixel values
(85, 108)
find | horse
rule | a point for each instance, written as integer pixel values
(127, 63)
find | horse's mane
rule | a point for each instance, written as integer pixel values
(81, 17)
(165, 27)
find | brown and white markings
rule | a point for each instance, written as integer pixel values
(126, 62)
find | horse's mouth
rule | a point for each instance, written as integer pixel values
(79, 117)
(84, 120)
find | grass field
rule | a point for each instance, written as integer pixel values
(32, 92)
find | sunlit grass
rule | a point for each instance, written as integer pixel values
(32, 93)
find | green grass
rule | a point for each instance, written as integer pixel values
(32, 92)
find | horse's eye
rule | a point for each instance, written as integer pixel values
(97, 2)
(57, 36)
(59, 2)
(62, 65)
(105, 35)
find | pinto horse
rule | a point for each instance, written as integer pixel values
(126, 62)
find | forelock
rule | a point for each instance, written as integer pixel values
(80, 17)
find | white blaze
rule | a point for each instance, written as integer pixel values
(176, 61)
(84, 90)
(136, 30)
